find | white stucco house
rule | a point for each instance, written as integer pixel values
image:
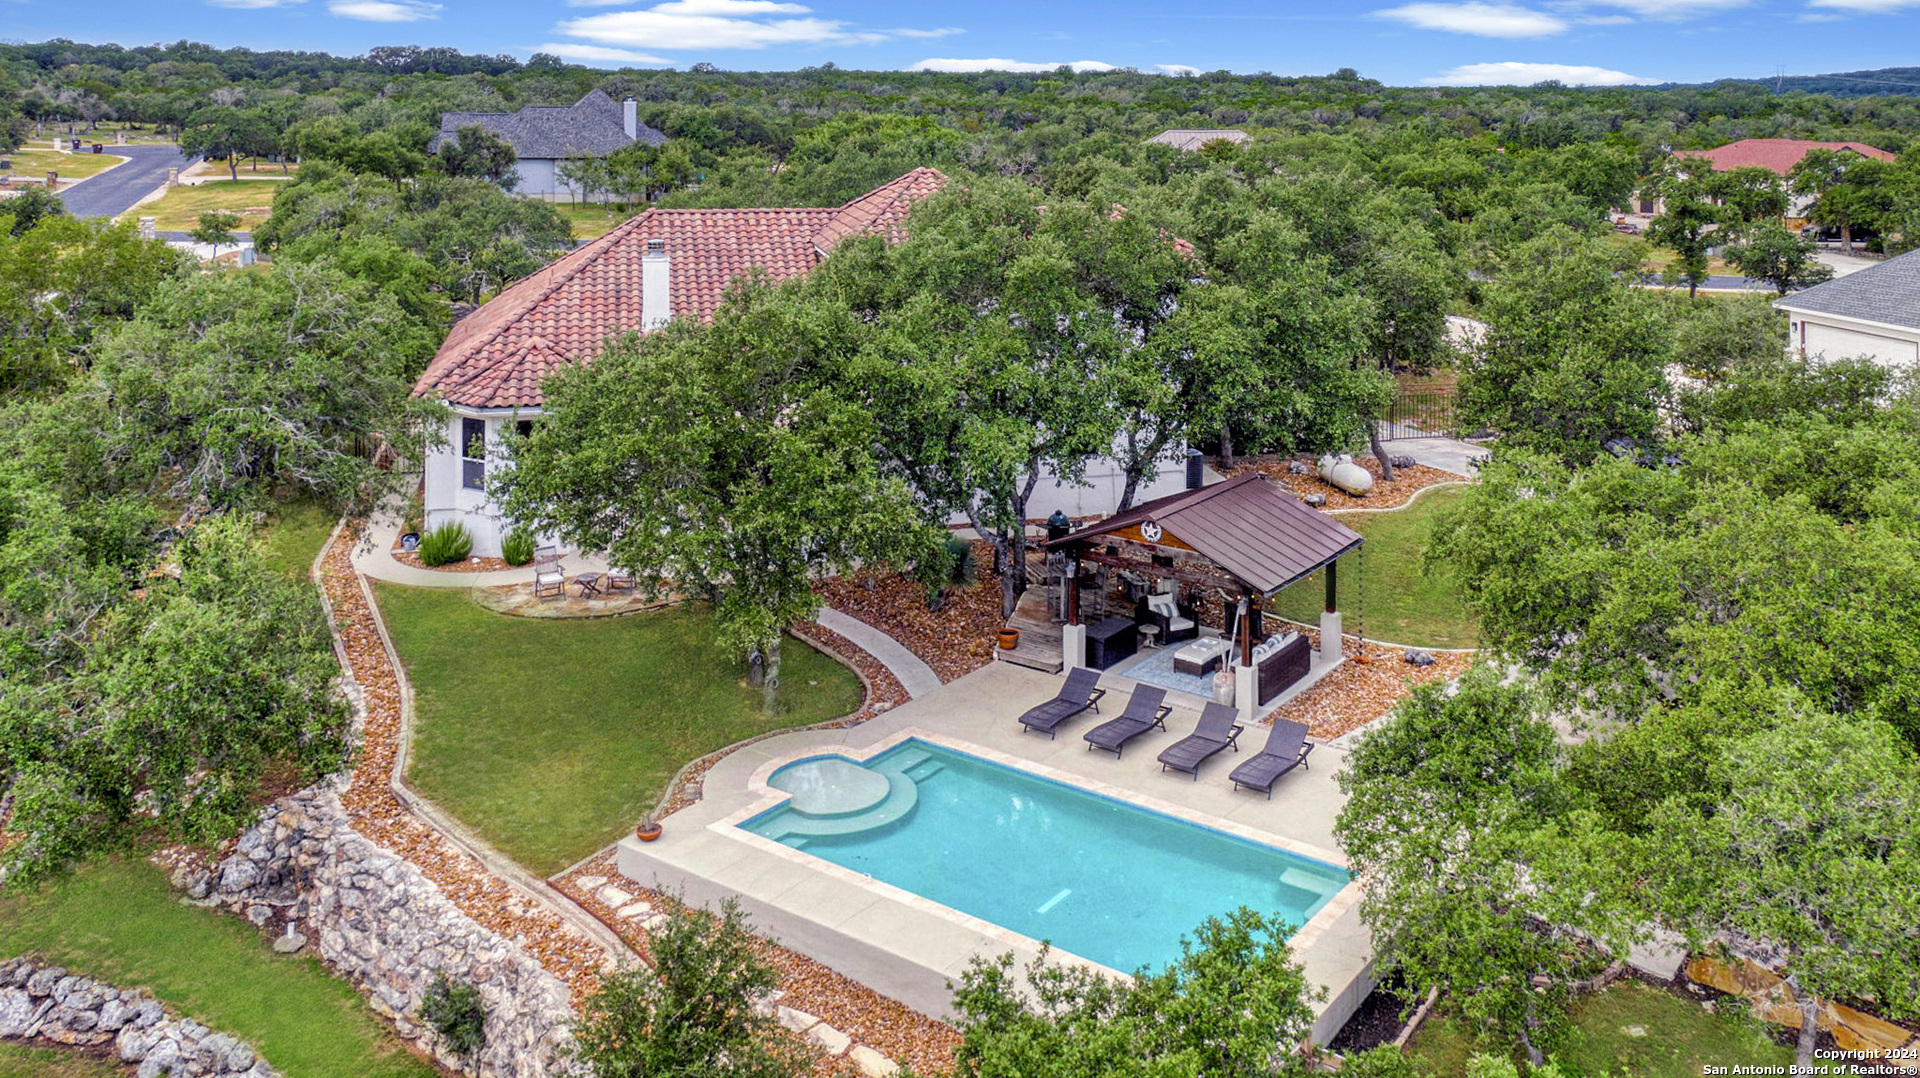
(545, 136)
(660, 265)
(1873, 313)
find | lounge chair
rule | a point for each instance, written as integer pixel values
(1081, 692)
(1144, 712)
(1286, 747)
(1217, 730)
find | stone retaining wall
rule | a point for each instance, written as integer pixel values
(49, 1003)
(377, 920)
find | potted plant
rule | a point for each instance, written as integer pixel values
(648, 830)
(1009, 638)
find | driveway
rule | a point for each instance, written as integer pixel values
(116, 190)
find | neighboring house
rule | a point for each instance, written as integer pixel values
(544, 136)
(1193, 140)
(1776, 155)
(1873, 313)
(662, 264)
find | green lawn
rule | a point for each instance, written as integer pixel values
(19, 1061)
(293, 535)
(591, 222)
(117, 921)
(179, 209)
(1629, 1029)
(70, 166)
(550, 737)
(1382, 589)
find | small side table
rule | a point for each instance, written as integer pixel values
(1147, 635)
(589, 584)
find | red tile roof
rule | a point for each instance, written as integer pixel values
(1776, 154)
(496, 356)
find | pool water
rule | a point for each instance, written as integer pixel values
(1103, 879)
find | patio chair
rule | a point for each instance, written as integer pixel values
(549, 583)
(1287, 748)
(1081, 692)
(1217, 730)
(1144, 712)
(546, 558)
(619, 580)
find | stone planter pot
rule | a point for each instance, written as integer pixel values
(1009, 639)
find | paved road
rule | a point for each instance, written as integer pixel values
(117, 189)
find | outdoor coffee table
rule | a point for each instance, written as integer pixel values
(589, 584)
(1201, 656)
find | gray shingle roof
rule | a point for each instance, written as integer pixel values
(593, 126)
(1888, 293)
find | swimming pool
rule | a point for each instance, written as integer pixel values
(1106, 880)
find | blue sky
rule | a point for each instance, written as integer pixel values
(1402, 42)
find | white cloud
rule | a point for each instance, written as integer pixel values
(384, 10)
(1511, 73)
(601, 54)
(969, 66)
(1485, 20)
(1868, 7)
(1177, 69)
(254, 5)
(1669, 10)
(724, 24)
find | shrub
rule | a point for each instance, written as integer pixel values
(415, 520)
(517, 548)
(454, 1011)
(1386, 1061)
(959, 560)
(694, 1012)
(446, 544)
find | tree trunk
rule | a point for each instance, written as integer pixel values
(770, 687)
(756, 668)
(1534, 1056)
(1379, 452)
(1809, 1024)
(233, 167)
(1846, 238)
(1126, 492)
(1226, 447)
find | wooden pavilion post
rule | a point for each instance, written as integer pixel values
(1073, 590)
(1333, 586)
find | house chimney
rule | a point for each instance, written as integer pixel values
(656, 298)
(630, 116)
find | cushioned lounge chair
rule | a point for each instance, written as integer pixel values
(1081, 692)
(1287, 747)
(1217, 730)
(1144, 712)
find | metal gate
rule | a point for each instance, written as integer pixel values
(1421, 413)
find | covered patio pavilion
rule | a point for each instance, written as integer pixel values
(1244, 539)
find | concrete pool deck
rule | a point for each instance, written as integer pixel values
(909, 947)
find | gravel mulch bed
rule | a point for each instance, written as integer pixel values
(471, 565)
(955, 642)
(886, 1025)
(370, 803)
(1358, 693)
(1406, 481)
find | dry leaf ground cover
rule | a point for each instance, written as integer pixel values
(1406, 481)
(1359, 692)
(954, 641)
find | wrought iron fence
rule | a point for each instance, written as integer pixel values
(1420, 413)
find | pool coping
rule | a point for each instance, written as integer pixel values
(771, 797)
(914, 949)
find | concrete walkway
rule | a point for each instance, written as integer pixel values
(1437, 451)
(915, 676)
(373, 556)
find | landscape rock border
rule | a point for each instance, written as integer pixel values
(45, 1002)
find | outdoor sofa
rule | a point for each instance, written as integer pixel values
(1287, 748)
(1216, 730)
(1082, 691)
(1145, 711)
